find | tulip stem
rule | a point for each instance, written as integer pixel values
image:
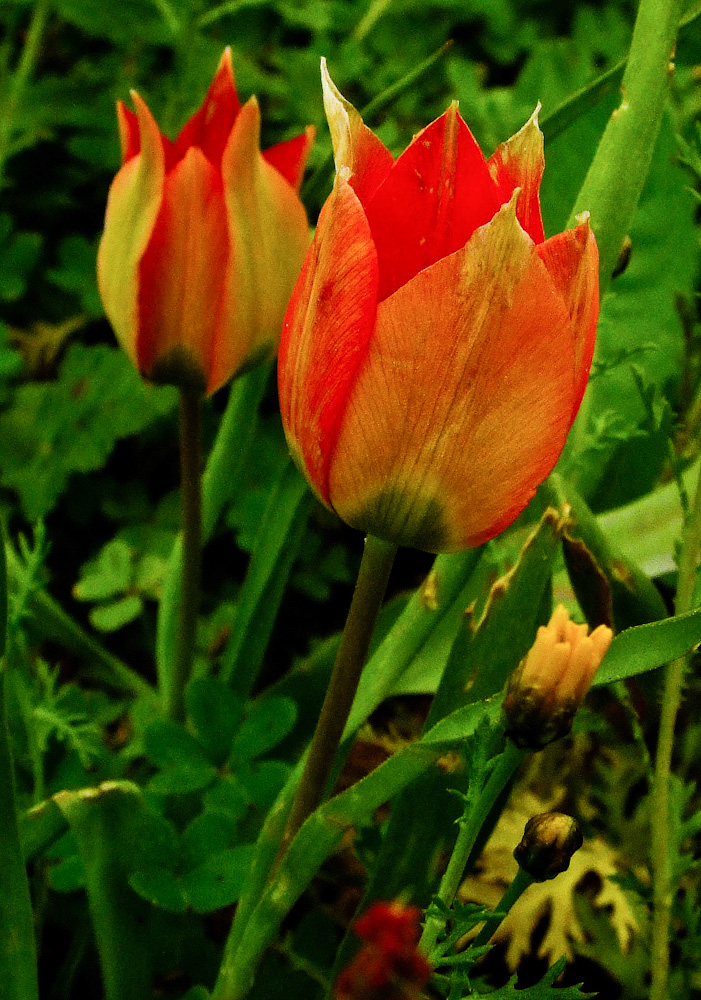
(191, 489)
(661, 821)
(368, 595)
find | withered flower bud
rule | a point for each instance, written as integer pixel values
(548, 843)
(546, 689)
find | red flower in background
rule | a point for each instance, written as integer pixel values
(436, 348)
(204, 238)
(387, 966)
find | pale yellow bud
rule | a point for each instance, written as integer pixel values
(550, 684)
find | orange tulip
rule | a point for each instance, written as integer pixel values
(436, 347)
(204, 238)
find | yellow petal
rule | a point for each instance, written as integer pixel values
(269, 234)
(132, 207)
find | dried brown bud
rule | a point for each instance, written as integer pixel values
(545, 691)
(548, 843)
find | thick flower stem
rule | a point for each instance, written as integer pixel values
(661, 856)
(470, 827)
(368, 595)
(191, 489)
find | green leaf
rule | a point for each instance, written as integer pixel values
(543, 990)
(219, 880)
(159, 887)
(116, 614)
(57, 428)
(646, 647)
(107, 575)
(108, 824)
(640, 309)
(267, 723)
(166, 743)
(76, 273)
(278, 538)
(263, 782)
(215, 713)
(18, 256)
(123, 24)
(209, 833)
(18, 961)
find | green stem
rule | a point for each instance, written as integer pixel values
(615, 179)
(470, 827)
(190, 484)
(660, 857)
(219, 483)
(514, 892)
(20, 79)
(368, 595)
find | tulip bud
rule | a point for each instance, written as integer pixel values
(545, 691)
(204, 238)
(548, 843)
(388, 965)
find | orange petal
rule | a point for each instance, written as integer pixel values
(210, 126)
(355, 146)
(132, 207)
(290, 158)
(572, 259)
(128, 125)
(326, 333)
(438, 192)
(464, 402)
(518, 163)
(269, 235)
(181, 278)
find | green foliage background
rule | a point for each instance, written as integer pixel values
(88, 452)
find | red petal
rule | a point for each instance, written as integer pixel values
(181, 275)
(326, 333)
(464, 402)
(290, 158)
(209, 127)
(355, 146)
(438, 192)
(572, 259)
(518, 163)
(128, 132)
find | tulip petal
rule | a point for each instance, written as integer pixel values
(128, 125)
(132, 208)
(572, 260)
(210, 126)
(438, 192)
(464, 401)
(355, 146)
(326, 333)
(518, 163)
(290, 158)
(269, 235)
(181, 277)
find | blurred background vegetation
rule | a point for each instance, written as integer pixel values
(90, 452)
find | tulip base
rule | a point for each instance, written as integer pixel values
(370, 587)
(191, 489)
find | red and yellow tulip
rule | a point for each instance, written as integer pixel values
(436, 347)
(204, 238)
